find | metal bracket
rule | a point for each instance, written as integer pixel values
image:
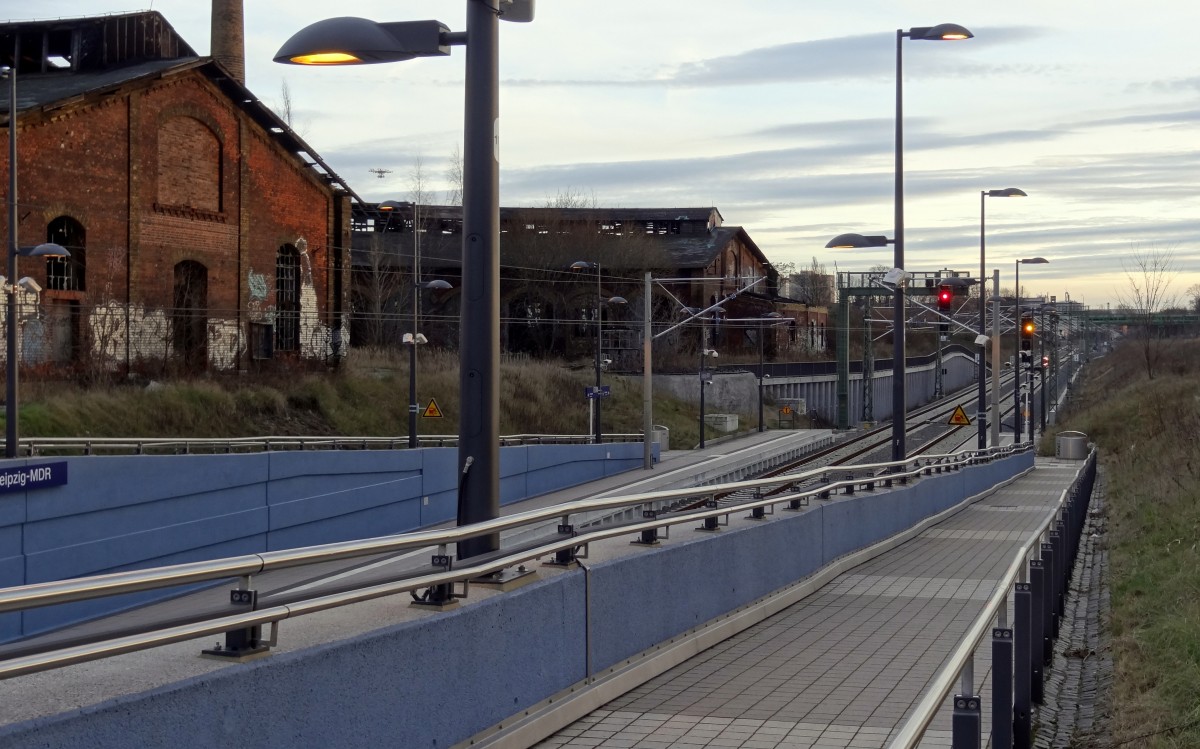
(441, 595)
(247, 641)
(650, 537)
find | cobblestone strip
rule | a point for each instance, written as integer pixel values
(1076, 708)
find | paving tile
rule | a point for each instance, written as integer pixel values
(843, 667)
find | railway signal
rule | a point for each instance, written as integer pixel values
(945, 297)
(1028, 328)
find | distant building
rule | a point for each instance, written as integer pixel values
(548, 309)
(203, 231)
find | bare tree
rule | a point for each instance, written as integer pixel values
(454, 175)
(813, 285)
(1149, 273)
(1193, 293)
(572, 198)
(285, 102)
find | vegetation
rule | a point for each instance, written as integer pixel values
(368, 396)
(1148, 432)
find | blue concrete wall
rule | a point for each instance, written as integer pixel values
(438, 681)
(128, 512)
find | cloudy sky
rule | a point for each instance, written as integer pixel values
(781, 112)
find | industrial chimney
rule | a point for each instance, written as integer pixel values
(228, 37)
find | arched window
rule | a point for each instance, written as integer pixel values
(189, 165)
(189, 318)
(67, 273)
(287, 299)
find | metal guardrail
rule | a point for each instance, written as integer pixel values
(38, 446)
(960, 665)
(565, 545)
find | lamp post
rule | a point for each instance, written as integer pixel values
(597, 394)
(981, 410)
(413, 339)
(941, 32)
(705, 352)
(46, 249)
(1041, 359)
(762, 364)
(341, 41)
(1017, 339)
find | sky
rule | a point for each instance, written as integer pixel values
(781, 113)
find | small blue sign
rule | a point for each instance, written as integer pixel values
(41, 476)
(603, 392)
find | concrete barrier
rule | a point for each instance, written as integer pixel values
(446, 677)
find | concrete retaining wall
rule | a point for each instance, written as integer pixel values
(442, 679)
(129, 512)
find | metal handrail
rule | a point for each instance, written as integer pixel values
(914, 728)
(39, 446)
(100, 586)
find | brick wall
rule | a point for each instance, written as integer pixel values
(168, 171)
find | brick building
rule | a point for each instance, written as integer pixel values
(547, 309)
(203, 232)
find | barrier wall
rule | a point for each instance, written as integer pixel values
(442, 679)
(128, 512)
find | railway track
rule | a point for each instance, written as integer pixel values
(927, 426)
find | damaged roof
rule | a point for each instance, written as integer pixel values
(160, 54)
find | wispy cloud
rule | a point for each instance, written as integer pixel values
(864, 56)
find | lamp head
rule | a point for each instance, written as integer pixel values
(857, 241)
(1008, 192)
(1033, 261)
(437, 283)
(391, 205)
(348, 40)
(943, 32)
(46, 249)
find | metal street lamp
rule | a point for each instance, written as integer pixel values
(1017, 349)
(340, 41)
(46, 249)
(981, 410)
(705, 352)
(598, 393)
(413, 339)
(762, 364)
(940, 32)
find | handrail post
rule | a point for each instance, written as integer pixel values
(1023, 671)
(966, 723)
(1002, 686)
(1037, 627)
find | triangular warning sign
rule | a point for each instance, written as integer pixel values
(959, 418)
(432, 411)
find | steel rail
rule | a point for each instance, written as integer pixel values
(913, 729)
(42, 446)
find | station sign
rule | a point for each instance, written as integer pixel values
(27, 478)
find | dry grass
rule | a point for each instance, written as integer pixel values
(1148, 432)
(368, 396)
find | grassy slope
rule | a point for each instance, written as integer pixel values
(1148, 432)
(367, 397)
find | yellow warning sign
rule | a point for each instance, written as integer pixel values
(786, 410)
(432, 411)
(959, 418)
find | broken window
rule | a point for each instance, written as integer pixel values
(287, 299)
(67, 273)
(189, 318)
